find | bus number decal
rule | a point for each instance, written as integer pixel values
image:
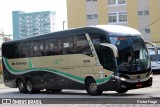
(86, 61)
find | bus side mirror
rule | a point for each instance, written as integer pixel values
(112, 47)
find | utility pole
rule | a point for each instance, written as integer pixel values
(3, 37)
(63, 23)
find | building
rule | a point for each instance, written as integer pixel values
(32, 24)
(143, 15)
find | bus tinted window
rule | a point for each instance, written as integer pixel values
(82, 45)
(25, 49)
(37, 48)
(17, 50)
(67, 45)
(52, 47)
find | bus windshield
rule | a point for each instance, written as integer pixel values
(133, 55)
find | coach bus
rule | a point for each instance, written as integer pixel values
(95, 59)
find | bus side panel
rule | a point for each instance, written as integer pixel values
(42, 80)
(9, 79)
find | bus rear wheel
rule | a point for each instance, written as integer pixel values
(21, 86)
(29, 87)
(92, 88)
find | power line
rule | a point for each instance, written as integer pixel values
(150, 24)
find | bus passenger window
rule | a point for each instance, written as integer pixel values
(37, 48)
(82, 46)
(67, 45)
(16, 52)
(25, 49)
(51, 47)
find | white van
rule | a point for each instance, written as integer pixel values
(155, 59)
(155, 62)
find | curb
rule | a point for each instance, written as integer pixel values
(155, 96)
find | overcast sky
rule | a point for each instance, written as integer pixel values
(7, 6)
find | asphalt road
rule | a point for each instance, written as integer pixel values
(81, 96)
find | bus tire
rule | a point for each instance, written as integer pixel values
(21, 86)
(92, 88)
(121, 91)
(29, 87)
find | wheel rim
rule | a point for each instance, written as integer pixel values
(93, 87)
(29, 86)
(21, 86)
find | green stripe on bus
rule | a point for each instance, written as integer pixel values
(70, 76)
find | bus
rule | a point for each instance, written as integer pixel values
(96, 59)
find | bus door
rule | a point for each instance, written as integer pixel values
(108, 56)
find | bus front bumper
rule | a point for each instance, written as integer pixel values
(134, 84)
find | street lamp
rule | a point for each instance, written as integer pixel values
(63, 23)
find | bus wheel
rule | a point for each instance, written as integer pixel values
(92, 88)
(29, 87)
(21, 86)
(121, 91)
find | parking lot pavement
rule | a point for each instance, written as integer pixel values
(2, 86)
(1, 82)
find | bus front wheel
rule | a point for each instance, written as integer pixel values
(92, 88)
(122, 91)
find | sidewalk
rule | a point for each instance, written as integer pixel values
(2, 85)
(1, 82)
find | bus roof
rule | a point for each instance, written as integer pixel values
(105, 29)
(119, 29)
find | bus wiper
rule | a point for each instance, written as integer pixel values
(141, 64)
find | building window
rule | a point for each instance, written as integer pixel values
(116, 2)
(89, 16)
(147, 30)
(121, 1)
(92, 16)
(123, 17)
(112, 17)
(117, 17)
(90, 0)
(140, 13)
(111, 2)
(146, 12)
(95, 16)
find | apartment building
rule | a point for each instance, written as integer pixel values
(143, 15)
(32, 24)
